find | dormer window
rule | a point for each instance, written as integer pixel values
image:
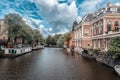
(88, 20)
(113, 9)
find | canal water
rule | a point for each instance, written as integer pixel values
(53, 64)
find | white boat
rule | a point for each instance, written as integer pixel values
(117, 69)
(38, 47)
(13, 52)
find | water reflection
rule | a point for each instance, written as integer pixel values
(53, 64)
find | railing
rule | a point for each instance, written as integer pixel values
(113, 31)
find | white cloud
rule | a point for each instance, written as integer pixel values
(89, 6)
(78, 19)
(50, 29)
(32, 22)
(59, 16)
(118, 3)
(41, 26)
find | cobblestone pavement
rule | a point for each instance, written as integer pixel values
(53, 64)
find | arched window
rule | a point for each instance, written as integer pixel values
(101, 26)
(0, 28)
(95, 26)
(109, 26)
(116, 23)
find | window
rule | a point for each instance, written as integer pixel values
(101, 27)
(116, 23)
(109, 26)
(116, 26)
(95, 26)
(113, 9)
(0, 28)
(86, 31)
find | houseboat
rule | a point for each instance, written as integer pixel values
(38, 47)
(14, 52)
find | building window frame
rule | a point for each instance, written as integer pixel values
(116, 23)
(109, 26)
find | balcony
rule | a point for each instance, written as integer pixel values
(116, 30)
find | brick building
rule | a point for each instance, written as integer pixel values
(96, 29)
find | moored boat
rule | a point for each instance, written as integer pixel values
(117, 69)
(13, 52)
(38, 47)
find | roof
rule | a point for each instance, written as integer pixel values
(87, 17)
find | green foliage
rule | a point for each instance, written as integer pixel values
(60, 41)
(13, 23)
(115, 45)
(17, 28)
(67, 36)
(57, 39)
(72, 46)
(52, 40)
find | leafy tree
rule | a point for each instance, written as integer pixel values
(56, 38)
(67, 38)
(115, 44)
(37, 36)
(17, 28)
(13, 24)
(48, 40)
(60, 41)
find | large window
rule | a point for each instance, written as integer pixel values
(86, 31)
(113, 9)
(95, 29)
(116, 26)
(109, 26)
(0, 28)
(101, 27)
(116, 23)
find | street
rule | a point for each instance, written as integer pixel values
(53, 64)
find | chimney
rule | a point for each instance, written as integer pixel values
(109, 4)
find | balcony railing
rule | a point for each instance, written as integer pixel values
(113, 31)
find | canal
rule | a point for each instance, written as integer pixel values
(53, 64)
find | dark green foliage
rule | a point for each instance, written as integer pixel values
(17, 28)
(52, 40)
(115, 45)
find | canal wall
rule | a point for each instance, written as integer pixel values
(102, 57)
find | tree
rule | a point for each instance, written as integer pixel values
(56, 38)
(60, 41)
(67, 38)
(17, 28)
(13, 24)
(48, 40)
(115, 44)
(37, 35)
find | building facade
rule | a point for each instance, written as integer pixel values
(97, 29)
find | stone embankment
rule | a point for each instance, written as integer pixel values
(102, 57)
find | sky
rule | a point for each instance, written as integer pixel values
(52, 16)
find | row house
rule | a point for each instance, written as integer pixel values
(98, 28)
